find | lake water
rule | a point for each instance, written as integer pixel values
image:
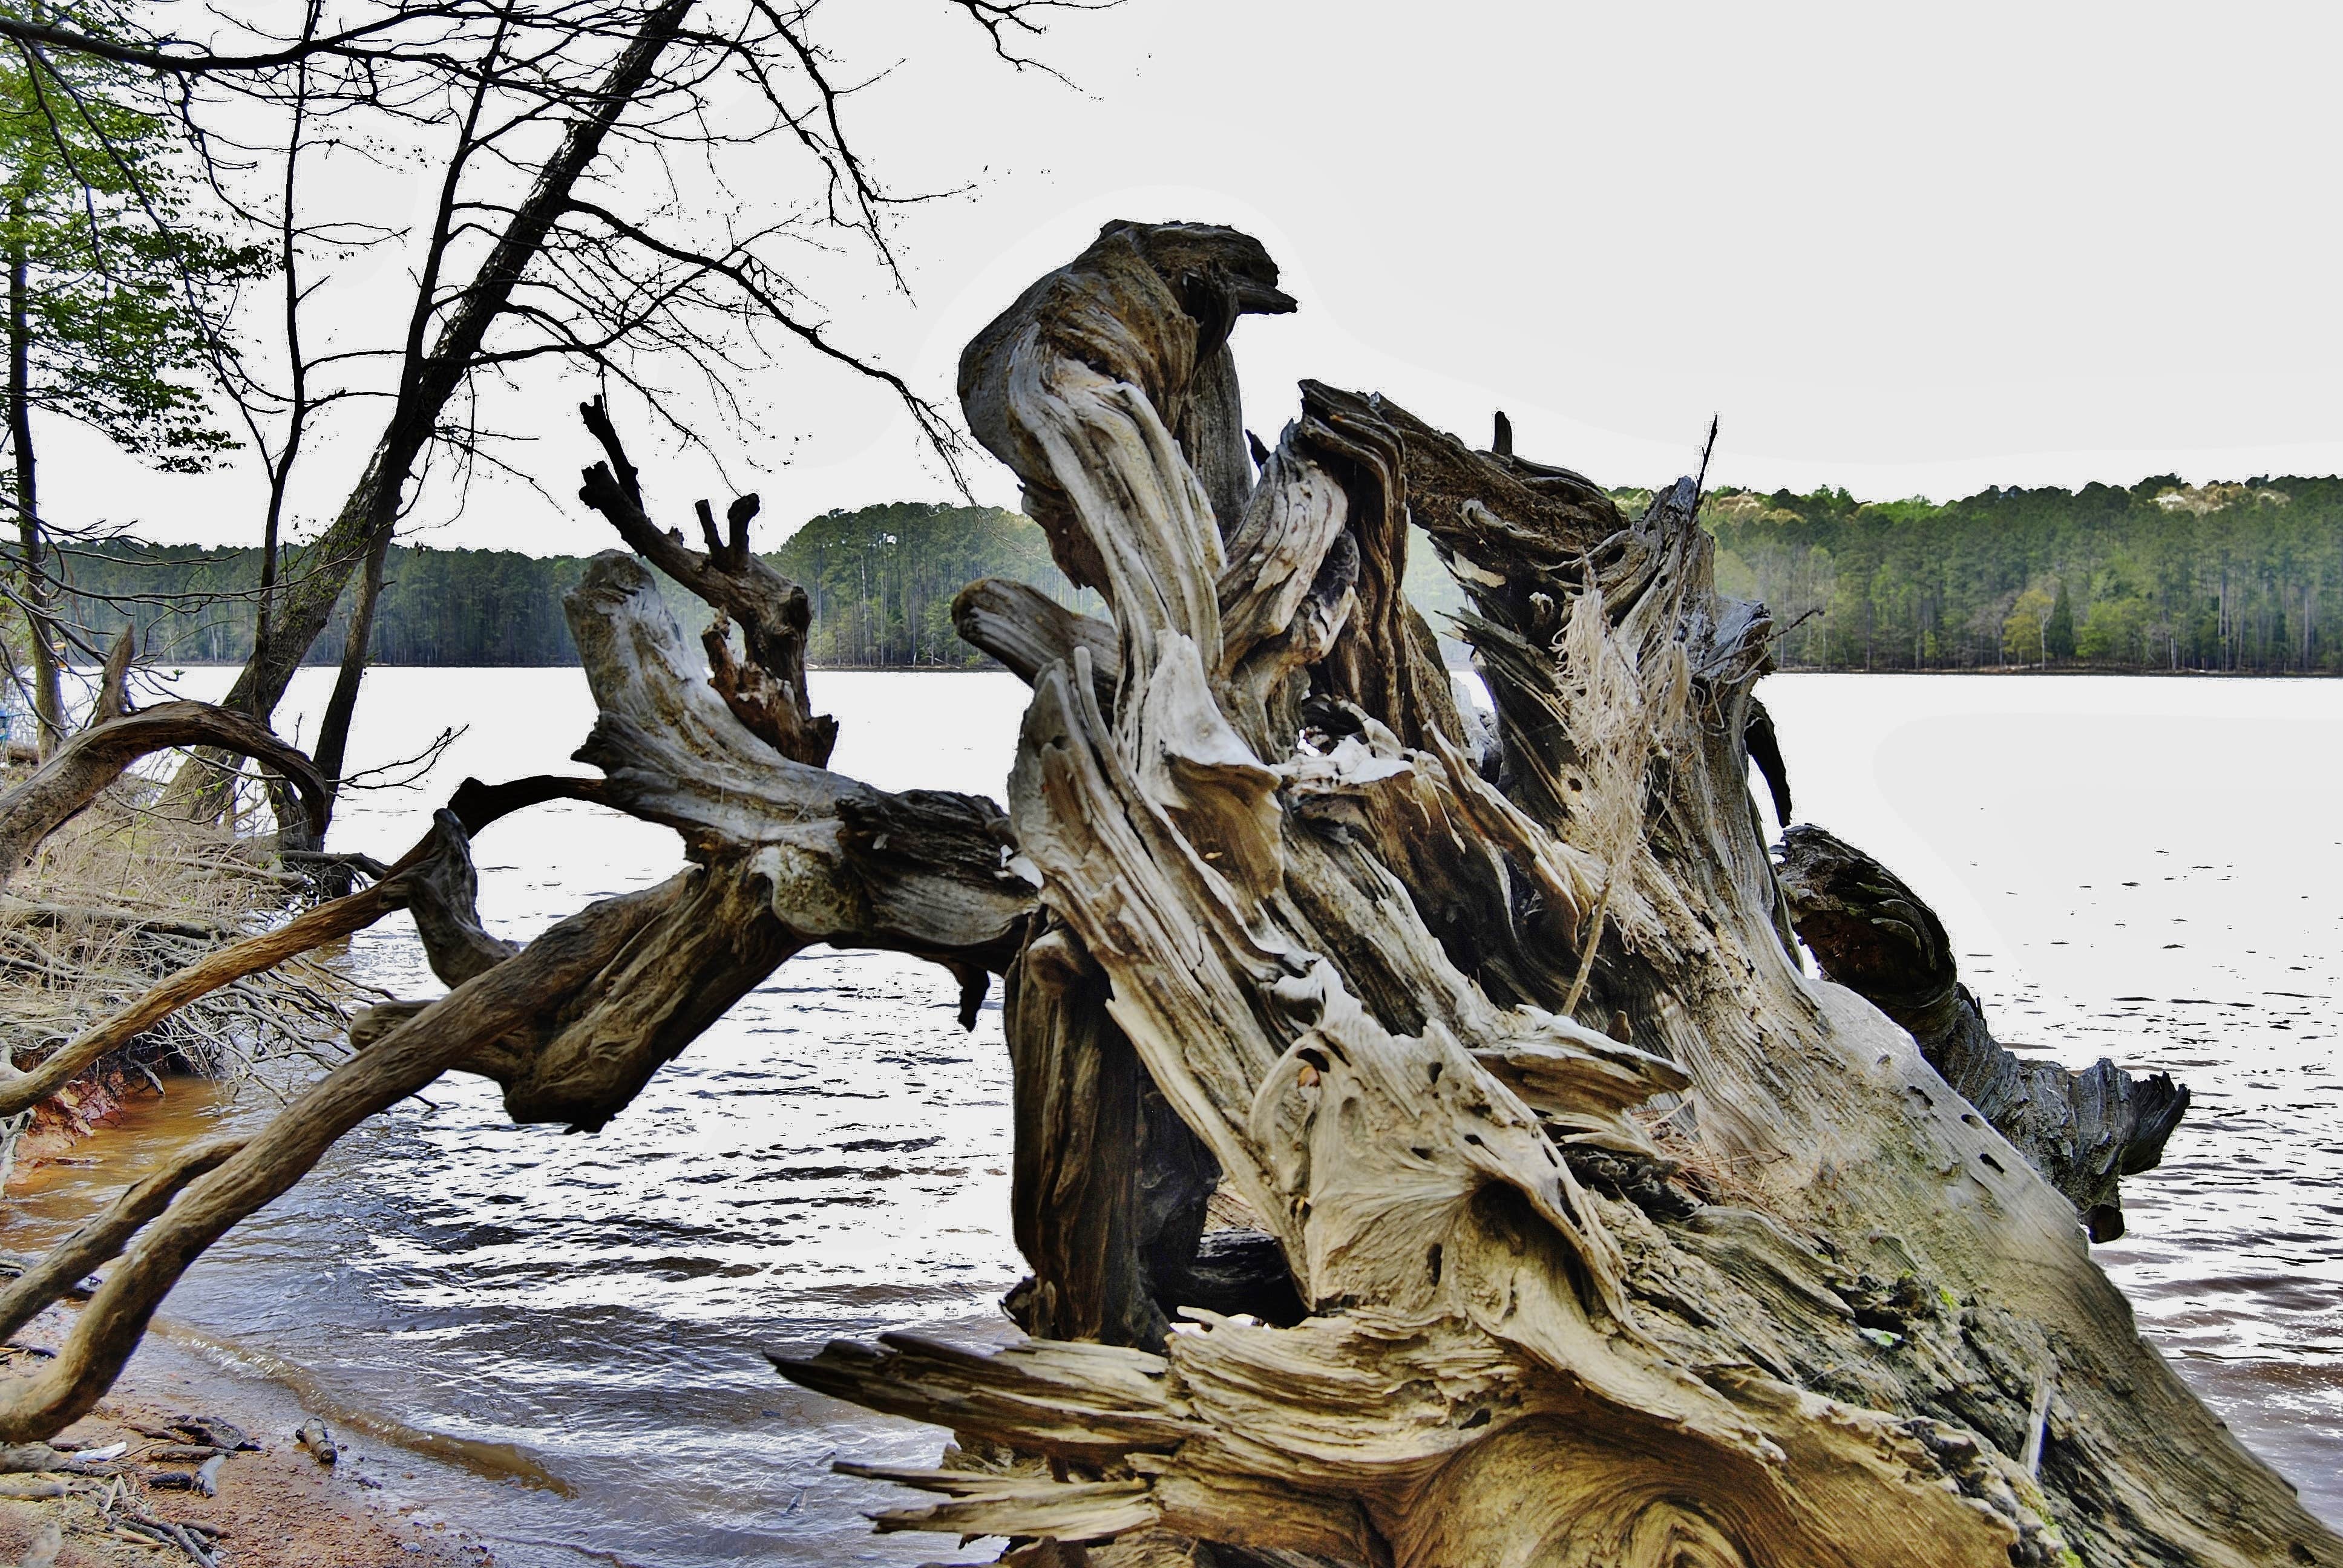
(2147, 868)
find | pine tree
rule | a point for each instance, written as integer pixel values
(2058, 633)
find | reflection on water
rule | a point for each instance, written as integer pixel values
(832, 1158)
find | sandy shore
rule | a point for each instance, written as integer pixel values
(277, 1507)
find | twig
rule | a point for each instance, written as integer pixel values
(175, 1534)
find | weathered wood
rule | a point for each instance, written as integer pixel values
(1144, 307)
(572, 1024)
(1751, 1286)
(1028, 631)
(2084, 1130)
(768, 692)
(1107, 1187)
(786, 855)
(1611, 1239)
(442, 891)
(81, 769)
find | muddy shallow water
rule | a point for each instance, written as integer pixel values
(2145, 869)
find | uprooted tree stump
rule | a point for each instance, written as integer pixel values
(1623, 1243)
(1587, 1230)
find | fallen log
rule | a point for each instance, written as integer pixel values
(1608, 1236)
(2084, 1130)
(1622, 1243)
(572, 1025)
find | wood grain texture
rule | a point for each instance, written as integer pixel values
(2084, 1129)
(1621, 1240)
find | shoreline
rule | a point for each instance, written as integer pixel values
(276, 1507)
(393, 1497)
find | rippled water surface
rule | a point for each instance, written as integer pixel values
(2147, 868)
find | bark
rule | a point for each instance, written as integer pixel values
(1622, 1242)
(341, 707)
(113, 698)
(40, 631)
(2082, 1130)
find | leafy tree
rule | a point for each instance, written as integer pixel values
(113, 287)
(2236, 576)
(2058, 631)
(2115, 630)
(2024, 632)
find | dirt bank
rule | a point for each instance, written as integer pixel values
(277, 1507)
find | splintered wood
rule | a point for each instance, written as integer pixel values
(1562, 1221)
(1473, 1028)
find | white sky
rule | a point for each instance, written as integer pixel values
(2014, 245)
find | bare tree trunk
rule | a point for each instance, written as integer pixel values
(1714, 1268)
(37, 591)
(431, 378)
(297, 413)
(333, 730)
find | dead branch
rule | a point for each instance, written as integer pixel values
(89, 761)
(573, 1024)
(2084, 1130)
(767, 694)
(1027, 631)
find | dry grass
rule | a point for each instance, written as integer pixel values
(1715, 1176)
(123, 894)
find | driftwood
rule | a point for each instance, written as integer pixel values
(783, 854)
(1622, 1242)
(1586, 1229)
(85, 764)
(768, 692)
(2084, 1130)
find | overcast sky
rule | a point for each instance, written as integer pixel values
(1911, 253)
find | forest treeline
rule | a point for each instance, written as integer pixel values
(881, 581)
(2161, 576)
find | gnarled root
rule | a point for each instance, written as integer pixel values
(1750, 1285)
(2084, 1130)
